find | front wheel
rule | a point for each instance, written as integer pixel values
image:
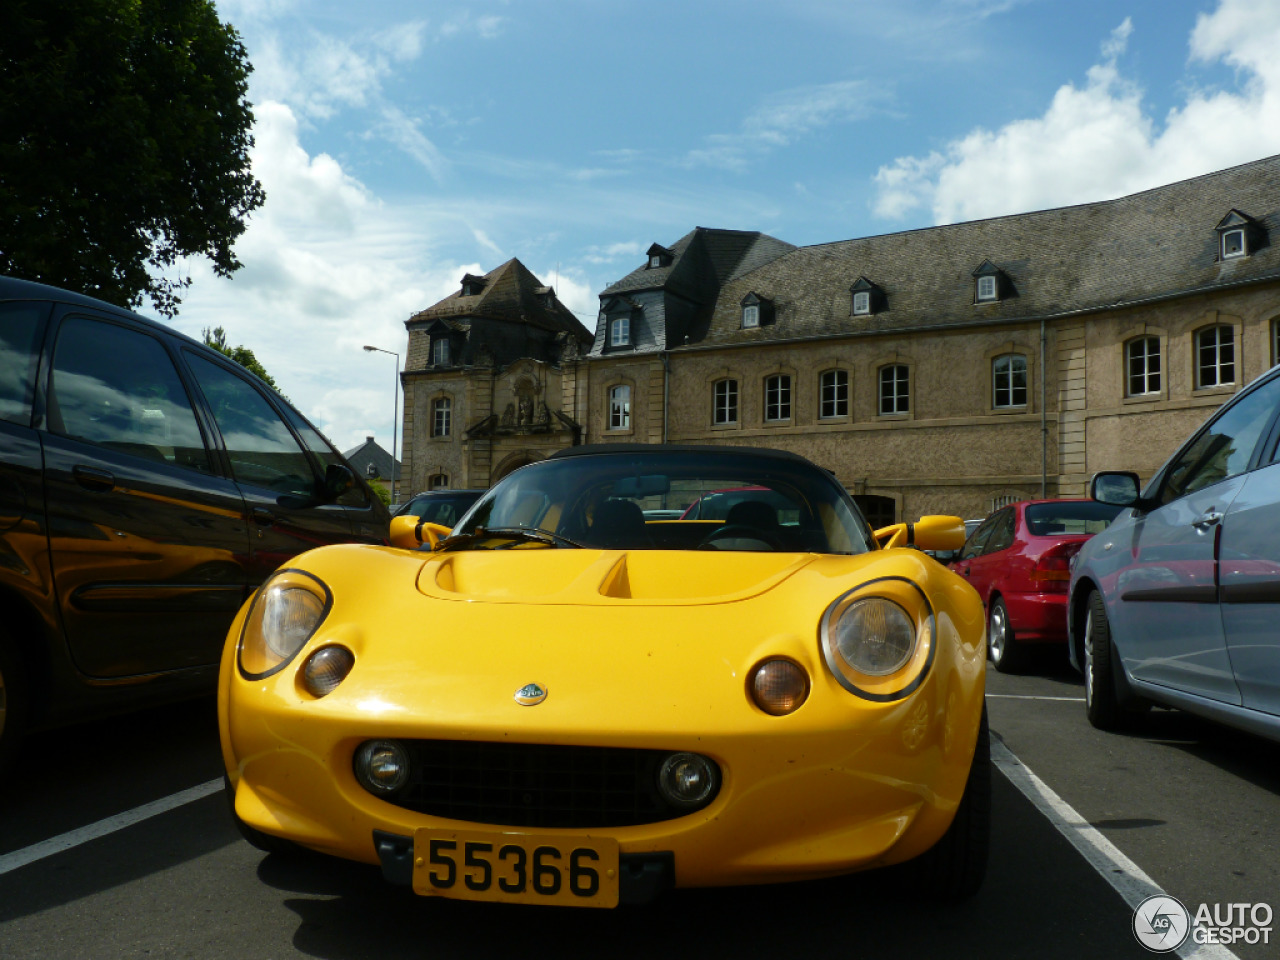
(957, 864)
(1007, 654)
(1100, 702)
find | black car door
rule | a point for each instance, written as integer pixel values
(148, 542)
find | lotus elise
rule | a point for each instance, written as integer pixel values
(578, 697)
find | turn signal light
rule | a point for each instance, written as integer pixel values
(779, 687)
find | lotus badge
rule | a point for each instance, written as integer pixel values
(531, 694)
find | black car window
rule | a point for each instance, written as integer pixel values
(1069, 517)
(1001, 532)
(978, 539)
(119, 388)
(20, 327)
(1223, 449)
(262, 450)
(311, 438)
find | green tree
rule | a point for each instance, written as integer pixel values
(217, 338)
(124, 144)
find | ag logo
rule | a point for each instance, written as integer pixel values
(1161, 923)
(531, 694)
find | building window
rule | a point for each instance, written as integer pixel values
(895, 394)
(620, 408)
(1142, 360)
(1275, 342)
(833, 394)
(777, 398)
(724, 401)
(1215, 356)
(440, 352)
(655, 261)
(437, 481)
(441, 414)
(620, 331)
(1233, 244)
(751, 315)
(1009, 381)
(986, 289)
(862, 303)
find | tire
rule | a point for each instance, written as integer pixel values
(256, 838)
(1006, 653)
(1100, 701)
(13, 702)
(955, 867)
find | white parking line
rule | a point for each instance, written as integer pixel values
(1019, 696)
(1126, 877)
(73, 838)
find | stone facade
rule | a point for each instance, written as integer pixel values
(1007, 347)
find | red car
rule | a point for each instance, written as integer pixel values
(1019, 562)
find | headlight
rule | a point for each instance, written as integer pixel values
(286, 611)
(877, 640)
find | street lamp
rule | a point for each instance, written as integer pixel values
(395, 410)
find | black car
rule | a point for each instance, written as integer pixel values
(148, 484)
(444, 507)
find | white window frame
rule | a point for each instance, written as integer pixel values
(833, 395)
(724, 401)
(620, 331)
(620, 407)
(1143, 367)
(751, 316)
(1216, 357)
(1243, 249)
(899, 386)
(441, 416)
(655, 261)
(988, 289)
(862, 303)
(440, 352)
(777, 398)
(1004, 370)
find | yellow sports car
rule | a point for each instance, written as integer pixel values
(563, 702)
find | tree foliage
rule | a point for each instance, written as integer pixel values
(124, 144)
(217, 338)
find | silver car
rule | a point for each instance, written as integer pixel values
(1178, 601)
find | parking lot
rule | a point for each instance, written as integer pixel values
(1192, 806)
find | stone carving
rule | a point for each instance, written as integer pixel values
(509, 415)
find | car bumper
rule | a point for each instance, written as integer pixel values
(1038, 617)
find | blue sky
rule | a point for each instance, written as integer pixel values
(403, 144)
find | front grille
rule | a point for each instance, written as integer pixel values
(535, 785)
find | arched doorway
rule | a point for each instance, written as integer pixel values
(514, 462)
(879, 511)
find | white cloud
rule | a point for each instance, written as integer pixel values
(1097, 142)
(785, 117)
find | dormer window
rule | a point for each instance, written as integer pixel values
(991, 284)
(472, 285)
(867, 298)
(440, 352)
(660, 256)
(756, 311)
(1239, 235)
(620, 331)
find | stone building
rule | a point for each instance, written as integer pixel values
(943, 370)
(483, 384)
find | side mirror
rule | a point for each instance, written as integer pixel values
(927, 533)
(338, 479)
(1119, 488)
(410, 533)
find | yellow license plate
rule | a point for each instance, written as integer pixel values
(570, 870)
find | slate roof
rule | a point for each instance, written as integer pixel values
(1150, 245)
(369, 452)
(511, 293)
(703, 256)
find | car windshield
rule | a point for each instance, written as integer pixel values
(1085, 516)
(642, 500)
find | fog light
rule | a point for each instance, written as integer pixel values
(688, 780)
(779, 687)
(325, 669)
(382, 766)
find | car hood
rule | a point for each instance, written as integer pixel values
(606, 576)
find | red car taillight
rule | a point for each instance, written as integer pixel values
(1052, 569)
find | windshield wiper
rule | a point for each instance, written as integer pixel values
(514, 534)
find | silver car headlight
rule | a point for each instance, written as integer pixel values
(286, 612)
(878, 640)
